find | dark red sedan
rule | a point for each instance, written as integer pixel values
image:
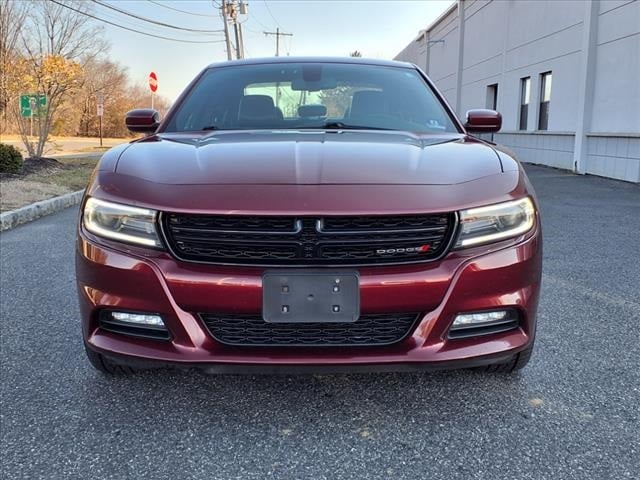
(309, 214)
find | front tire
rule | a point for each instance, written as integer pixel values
(106, 366)
(515, 363)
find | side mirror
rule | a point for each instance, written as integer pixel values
(483, 121)
(142, 120)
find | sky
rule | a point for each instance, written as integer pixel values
(378, 29)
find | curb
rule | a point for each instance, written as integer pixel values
(13, 218)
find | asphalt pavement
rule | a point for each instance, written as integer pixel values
(573, 413)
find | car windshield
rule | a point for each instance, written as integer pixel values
(311, 96)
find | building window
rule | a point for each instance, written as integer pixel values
(492, 96)
(545, 98)
(525, 97)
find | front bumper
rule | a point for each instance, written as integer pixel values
(113, 277)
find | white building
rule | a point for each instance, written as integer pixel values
(564, 74)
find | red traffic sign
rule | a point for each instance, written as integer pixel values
(153, 82)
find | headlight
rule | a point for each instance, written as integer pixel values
(495, 222)
(121, 222)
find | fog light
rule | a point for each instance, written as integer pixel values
(468, 325)
(465, 319)
(138, 318)
(143, 325)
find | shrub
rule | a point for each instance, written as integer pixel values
(10, 159)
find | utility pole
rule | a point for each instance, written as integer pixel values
(241, 39)
(230, 11)
(224, 11)
(243, 9)
(278, 34)
(236, 30)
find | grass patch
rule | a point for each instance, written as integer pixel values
(93, 149)
(69, 174)
(73, 174)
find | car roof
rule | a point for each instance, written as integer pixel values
(349, 60)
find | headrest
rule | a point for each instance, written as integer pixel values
(367, 102)
(257, 106)
(312, 111)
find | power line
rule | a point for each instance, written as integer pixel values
(269, 10)
(244, 25)
(144, 19)
(133, 29)
(108, 15)
(160, 4)
(262, 25)
(259, 23)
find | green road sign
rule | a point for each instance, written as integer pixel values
(29, 104)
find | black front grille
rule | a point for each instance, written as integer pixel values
(365, 223)
(238, 223)
(307, 241)
(252, 330)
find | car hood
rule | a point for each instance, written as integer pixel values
(308, 158)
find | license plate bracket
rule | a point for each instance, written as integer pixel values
(310, 296)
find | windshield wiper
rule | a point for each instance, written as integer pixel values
(326, 126)
(344, 126)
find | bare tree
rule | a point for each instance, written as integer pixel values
(338, 99)
(56, 78)
(121, 101)
(55, 42)
(55, 30)
(47, 49)
(13, 14)
(101, 77)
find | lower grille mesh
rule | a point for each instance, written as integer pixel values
(252, 330)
